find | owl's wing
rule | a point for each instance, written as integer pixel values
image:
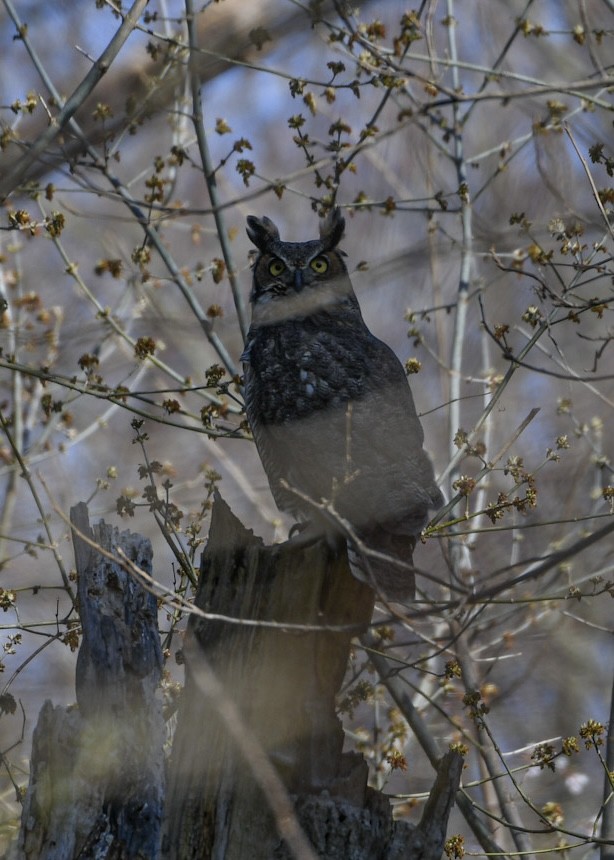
(390, 498)
(388, 424)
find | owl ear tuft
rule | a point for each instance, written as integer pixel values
(261, 231)
(331, 229)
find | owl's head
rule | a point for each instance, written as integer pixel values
(296, 279)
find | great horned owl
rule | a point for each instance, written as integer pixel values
(329, 405)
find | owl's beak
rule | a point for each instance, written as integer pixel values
(299, 283)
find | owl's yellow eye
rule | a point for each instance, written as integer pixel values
(276, 267)
(319, 265)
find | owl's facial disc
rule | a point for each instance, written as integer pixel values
(299, 275)
(297, 280)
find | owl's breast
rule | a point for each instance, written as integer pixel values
(295, 371)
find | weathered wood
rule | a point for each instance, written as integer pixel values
(276, 687)
(96, 784)
(342, 831)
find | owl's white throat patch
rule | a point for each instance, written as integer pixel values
(270, 309)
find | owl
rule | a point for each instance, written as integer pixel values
(330, 408)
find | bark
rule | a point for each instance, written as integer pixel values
(96, 783)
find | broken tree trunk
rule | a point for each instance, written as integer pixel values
(282, 683)
(97, 772)
(257, 770)
(257, 693)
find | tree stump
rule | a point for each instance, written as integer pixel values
(257, 695)
(97, 773)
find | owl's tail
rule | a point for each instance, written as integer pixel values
(392, 578)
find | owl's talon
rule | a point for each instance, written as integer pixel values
(305, 533)
(298, 528)
(309, 532)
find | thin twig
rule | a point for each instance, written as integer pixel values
(142, 219)
(591, 181)
(83, 90)
(208, 170)
(607, 827)
(387, 671)
(489, 754)
(26, 474)
(441, 514)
